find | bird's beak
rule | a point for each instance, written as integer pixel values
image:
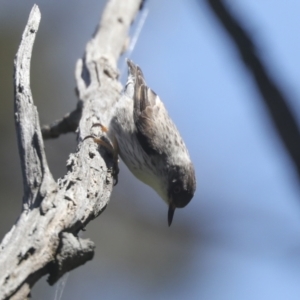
(171, 213)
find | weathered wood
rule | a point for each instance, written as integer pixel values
(44, 239)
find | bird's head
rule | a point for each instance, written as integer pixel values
(181, 188)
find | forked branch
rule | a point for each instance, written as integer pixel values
(44, 239)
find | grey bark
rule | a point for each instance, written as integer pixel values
(44, 239)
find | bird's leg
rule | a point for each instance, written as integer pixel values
(113, 149)
(115, 160)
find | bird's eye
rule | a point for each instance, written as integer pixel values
(177, 189)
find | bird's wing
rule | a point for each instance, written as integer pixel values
(149, 112)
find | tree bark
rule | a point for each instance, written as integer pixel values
(44, 239)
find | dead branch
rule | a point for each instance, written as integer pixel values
(44, 239)
(277, 104)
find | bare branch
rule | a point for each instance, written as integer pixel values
(31, 146)
(72, 253)
(68, 123)
(280, 113)
(44, 239)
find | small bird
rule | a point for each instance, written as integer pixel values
(149, 143)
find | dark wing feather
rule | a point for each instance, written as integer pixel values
(145, 112)
(146, 133)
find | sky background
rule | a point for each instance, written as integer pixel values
(239, 238)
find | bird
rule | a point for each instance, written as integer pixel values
(149, 143)
(142, 133)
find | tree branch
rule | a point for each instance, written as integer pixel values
(276, 103)
(31, 147)
(44, 239)
(69, 123)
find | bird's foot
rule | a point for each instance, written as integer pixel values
(111, 147)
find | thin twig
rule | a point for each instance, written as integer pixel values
(69, 123)
(277, 104)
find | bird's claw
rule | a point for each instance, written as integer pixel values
(111, 147)
(115, 172)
